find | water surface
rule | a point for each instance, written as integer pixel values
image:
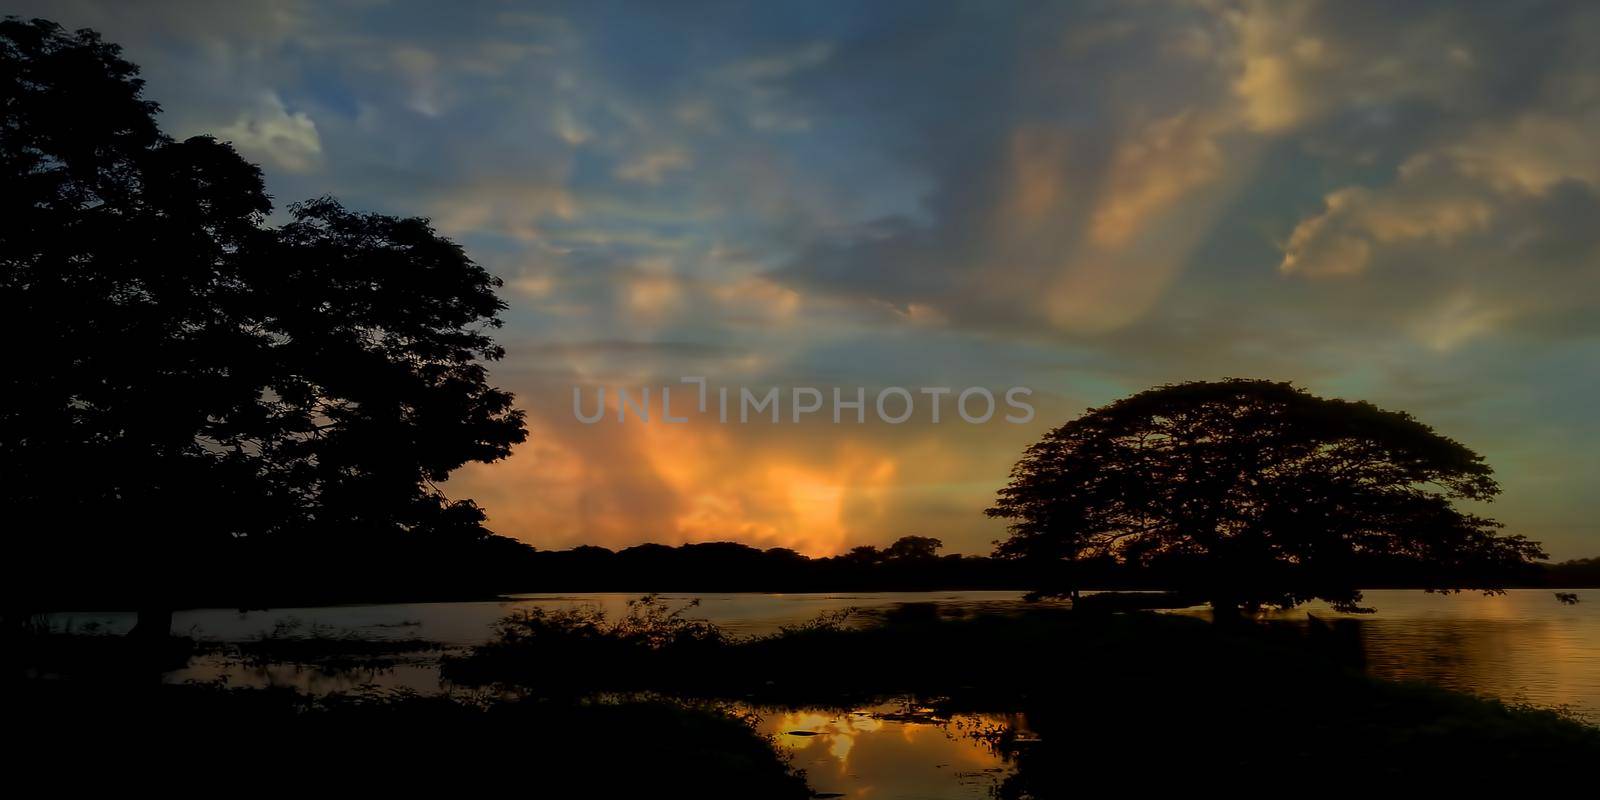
(892, 750)
(1522, 646)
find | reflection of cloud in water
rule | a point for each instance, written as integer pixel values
(890, 751)
(807, 729)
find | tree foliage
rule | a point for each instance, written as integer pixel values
(914, 548)
(1252, 493)
(181, 371)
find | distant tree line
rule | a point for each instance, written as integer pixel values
(1579, 573)
(280, 572)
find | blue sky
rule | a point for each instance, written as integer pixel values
(1389, 202)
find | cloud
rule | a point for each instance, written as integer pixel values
(1151, 171)
(651, 167)
(778, 65)
(509, 205)
(1472, 237)
(1386, 201)
(272, 133)
(816, 488)
(1042, 225)
(1431, 203)
(1301, 62)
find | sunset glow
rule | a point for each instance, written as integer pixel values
(1084, 199)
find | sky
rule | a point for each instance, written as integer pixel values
(1392, 202)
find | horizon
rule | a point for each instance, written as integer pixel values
(1381, 207)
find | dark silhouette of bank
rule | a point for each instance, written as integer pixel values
(1117, 694)
(100, 737)
(1251, 493)
(183, 376)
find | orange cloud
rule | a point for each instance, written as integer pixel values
(815, 487)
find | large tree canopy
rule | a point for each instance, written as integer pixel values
(179, 372)
(1249, 493)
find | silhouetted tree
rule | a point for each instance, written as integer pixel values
(181, 374)
(911, 548)
(863, 555)
(1251, 493)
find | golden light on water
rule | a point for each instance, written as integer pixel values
(861, 752)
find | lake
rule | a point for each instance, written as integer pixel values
(1522, 646)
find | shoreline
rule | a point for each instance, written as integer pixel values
(559, 594)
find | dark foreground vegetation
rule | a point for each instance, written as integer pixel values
(1103, 692)
(635, 706)
(266, 738)
(98, 713)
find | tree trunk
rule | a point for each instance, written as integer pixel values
(1225, 612)
(153, 599)
(154, 624)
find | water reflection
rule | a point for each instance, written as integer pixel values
(472, 622)
(1540, 661)
(417, 674)
(893, 750)
(1522, 646)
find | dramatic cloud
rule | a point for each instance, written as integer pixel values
(1387, 201)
